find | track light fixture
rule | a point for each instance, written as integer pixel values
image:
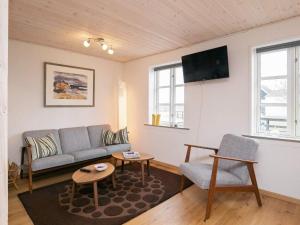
(101, 42)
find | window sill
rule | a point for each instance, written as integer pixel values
(162, 126)
(274, 138)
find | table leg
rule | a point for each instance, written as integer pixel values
(122, 166)
(113, 180)
(148, 167)
(142, 168)
(95, 194)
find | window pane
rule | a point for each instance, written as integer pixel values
(179, 98)
(178, 75)
(164, 95)
(274, 91)
(164, 111)
(164, 77)
(274, 63)
(273, 119)
(179, 115)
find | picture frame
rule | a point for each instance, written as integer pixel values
(68, 86)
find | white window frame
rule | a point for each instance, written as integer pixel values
(172, 101)
(293, 92)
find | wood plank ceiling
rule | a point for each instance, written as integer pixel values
(138, 28)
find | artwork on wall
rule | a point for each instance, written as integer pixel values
(69, 86)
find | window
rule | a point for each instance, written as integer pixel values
(168, 95)
(278, 90)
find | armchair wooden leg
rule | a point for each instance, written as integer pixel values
(211, 190)
(254, 183)
(182, 180)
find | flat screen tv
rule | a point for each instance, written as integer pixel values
(206, 65)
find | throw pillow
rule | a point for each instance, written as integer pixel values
(108, 137)
(121, 136)
(42, 147)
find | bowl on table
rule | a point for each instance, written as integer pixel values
(101, 167)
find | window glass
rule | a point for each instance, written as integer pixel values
(164, 95)
(274, 63)
(178, 75)
(164, 111)
(273, 91)
(164, 77)
(179, 93)
(179, 115)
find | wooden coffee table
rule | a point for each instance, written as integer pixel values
(144, 157)
(93, 177)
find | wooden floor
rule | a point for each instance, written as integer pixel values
(187, 208)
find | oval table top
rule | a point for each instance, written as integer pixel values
(143, 157)
(80, 177)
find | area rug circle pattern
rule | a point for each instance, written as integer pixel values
(129, 197)
(51, 205)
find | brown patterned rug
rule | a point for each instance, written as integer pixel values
(51, 205)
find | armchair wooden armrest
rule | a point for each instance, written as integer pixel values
(233, 159)
(188, 152)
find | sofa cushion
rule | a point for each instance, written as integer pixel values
(43, 133)
(200, 174)
(42, 147)
(117, 148)
(95, 134)
(121, 137)
(89, 154)
(52, 161)
(74, 139)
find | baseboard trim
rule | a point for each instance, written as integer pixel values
(280, 196)
(175, 169)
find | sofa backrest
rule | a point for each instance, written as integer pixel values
(43, 133)
(95, 134)
(74, 139)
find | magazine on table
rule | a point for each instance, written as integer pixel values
(131, 155)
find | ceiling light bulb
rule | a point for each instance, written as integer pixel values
(104, 46)
(110, 51)
(87, 43)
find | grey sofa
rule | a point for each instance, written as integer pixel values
(76, 145)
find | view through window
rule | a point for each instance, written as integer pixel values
(169, 95)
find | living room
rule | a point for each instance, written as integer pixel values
(105, 80)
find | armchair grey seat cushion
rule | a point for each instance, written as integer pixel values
(53, 161)
(200, 174)
(117, 148)
(89, 154)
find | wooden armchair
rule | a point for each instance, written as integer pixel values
(230, 171)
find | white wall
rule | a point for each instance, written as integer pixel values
(216, 107)
(26, 92)
(3, 109)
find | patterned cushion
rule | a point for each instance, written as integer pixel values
(121, 136)
(42, 147)
(108, 137)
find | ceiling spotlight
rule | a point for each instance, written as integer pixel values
(87, 43)
(104, 46)
(110, 51)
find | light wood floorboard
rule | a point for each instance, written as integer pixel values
(187, 208)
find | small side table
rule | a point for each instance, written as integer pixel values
(144, 157)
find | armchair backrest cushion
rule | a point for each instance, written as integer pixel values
(43, 133)
(237, 147)
(74, 139)
(95, 134)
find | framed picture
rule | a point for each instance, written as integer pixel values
(68, 86)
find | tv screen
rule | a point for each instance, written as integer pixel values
(206, 65)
